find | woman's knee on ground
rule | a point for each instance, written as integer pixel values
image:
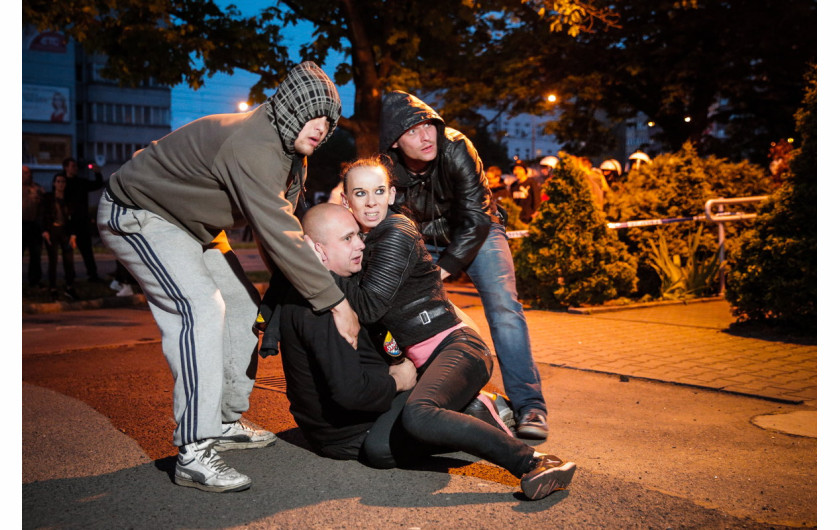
(377, 454)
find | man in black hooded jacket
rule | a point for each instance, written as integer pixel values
(441, 184)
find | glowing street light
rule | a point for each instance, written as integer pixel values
(243, 106)
(551, 98)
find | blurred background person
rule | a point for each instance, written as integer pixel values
(59, 236)
(33, 194)
(498, 187)
(78, 189)
(611, 169)
(525, 191)
(547, 165)
(636, 160)
(595, 179)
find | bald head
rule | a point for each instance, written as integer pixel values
(318, 220)
(335, 235)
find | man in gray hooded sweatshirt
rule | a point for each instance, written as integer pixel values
(163, 215)
(441, 184)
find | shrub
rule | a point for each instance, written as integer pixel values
(773, 274)
(696, 278)
(570, 256)
(677, 185)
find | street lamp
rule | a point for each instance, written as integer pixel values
(551, 98)
(243, 106)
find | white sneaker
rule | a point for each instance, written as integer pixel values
(115, 285)
(125, 290)
(200, 466)
(243, 434)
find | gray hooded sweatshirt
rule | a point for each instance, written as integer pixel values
(225, 170)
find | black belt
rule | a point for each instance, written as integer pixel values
(425, 317)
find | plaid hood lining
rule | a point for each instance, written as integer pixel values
(306, 93)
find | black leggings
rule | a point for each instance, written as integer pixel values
(430, 421)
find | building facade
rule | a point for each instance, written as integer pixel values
(69, 110)
(523, 137)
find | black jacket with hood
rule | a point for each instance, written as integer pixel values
(451, 200)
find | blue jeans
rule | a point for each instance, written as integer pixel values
(493, 275)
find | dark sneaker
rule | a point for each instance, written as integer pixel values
(200, 466)
(70, 294)
(549, 475)
(533, 425)
(491, 408)
(243, 434)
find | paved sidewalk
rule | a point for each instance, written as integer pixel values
(686, 344)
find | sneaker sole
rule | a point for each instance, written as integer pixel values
(223, 445)
(531, 433)
(185, 481)
(549, 481)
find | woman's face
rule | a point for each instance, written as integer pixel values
(59, 183)
(367, 194)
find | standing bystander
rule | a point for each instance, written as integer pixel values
(78, 189)
(33, 194)
(58, 234)
(526, 192)
(498, 188)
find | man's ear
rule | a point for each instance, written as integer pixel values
(316, 248)
(394, 146)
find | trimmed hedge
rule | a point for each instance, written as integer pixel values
(773, 274)
(570, 256)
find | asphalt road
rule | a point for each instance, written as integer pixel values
(97, 429)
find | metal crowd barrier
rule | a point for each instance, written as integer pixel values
(719, 217)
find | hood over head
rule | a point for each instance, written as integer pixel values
(306, 93)
(400, 112)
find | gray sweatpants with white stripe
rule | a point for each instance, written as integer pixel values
(205, 308)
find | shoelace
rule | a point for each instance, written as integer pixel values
(213, 460)
(245, 426)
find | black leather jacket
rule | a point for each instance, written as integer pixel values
(399, 286)
(451, 200)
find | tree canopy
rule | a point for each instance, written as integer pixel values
(741, 60)
(737, 67)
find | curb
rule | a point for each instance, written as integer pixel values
(609, 309)
(471, 291)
